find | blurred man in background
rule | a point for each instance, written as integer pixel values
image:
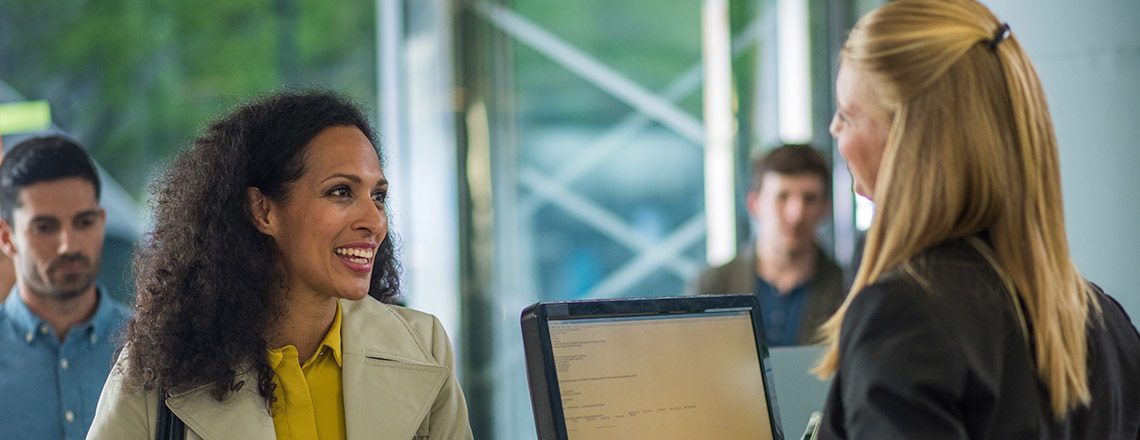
(798, 285)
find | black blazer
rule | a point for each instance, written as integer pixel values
(945, 358)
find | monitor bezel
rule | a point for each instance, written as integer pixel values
(546, 398)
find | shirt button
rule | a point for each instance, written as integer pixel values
(63, 364)
(29, 337)
(70, 416)
(43, 329)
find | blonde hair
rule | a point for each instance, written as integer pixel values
(971, 150)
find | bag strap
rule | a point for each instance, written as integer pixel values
(169, 426)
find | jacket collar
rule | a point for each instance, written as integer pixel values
(241, 415)
(389, 376)
(387, 368)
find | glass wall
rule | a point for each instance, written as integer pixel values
(593, 142)
(583, 163)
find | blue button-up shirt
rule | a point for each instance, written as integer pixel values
(782, 313)
(48, 388)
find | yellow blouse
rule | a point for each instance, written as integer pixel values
(310, 398)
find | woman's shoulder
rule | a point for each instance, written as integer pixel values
(954, 271)
(124, 409)
(895, 295)
(1117, 325)
(943, 283)
(948, 294)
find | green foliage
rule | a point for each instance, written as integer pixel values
(134, 79)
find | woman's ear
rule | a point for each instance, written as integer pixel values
(260, 208)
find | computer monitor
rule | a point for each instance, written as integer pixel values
(674, 367)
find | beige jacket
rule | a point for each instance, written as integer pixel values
(397, 377)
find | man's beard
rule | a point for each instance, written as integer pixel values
(68, 286)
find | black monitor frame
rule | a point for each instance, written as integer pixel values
(546, 398)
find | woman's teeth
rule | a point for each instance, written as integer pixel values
(356, 255)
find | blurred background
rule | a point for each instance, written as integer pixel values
(543, 150)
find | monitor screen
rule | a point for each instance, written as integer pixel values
(651, 374)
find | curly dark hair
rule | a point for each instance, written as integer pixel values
(206, 276)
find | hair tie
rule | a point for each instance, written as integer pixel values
(1000, 35)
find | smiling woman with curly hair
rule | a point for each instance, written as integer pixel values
(264, 290)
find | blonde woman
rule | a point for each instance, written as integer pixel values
(967, 318)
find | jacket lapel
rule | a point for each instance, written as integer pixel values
(242, 415)
(390, 379)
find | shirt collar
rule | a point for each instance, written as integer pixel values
(331, 342)
(109, 315)
(103, 322)
(26, 322)
(332, 338)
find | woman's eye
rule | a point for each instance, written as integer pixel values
(339, 191)
(379, 196)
